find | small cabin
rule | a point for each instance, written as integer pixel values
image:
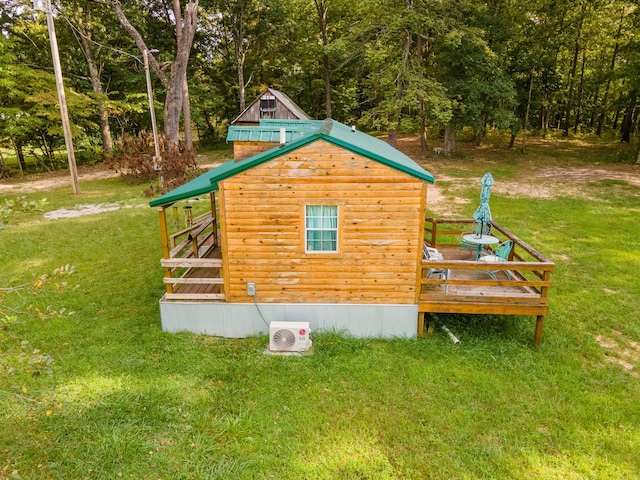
(318, 222)
(271, 104)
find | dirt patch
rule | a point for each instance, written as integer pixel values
(81, 210)
(42, 182)
(549, 182)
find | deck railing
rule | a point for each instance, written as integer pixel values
(193, 272)
(525, 292)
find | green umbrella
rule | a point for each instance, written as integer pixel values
(483, 213)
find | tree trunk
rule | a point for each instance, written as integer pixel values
(186, 104)
(396, 114)
(186, 115)
(627, 122)
(96, 85)
(185, 30)
(22, 165)
(449, 146)
(423, 111)
(544, 115)
(574, 67)
(594, 111)
(173, 104)
(322, 7)
(479, 136)
(392, 137)
(423, 131)
(526, 116)
(240, 58)
(3, 165)
(616, 117)
(605, 99)
(580, 92)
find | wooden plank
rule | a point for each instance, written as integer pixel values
(390, 284)
(191, 262)
(194, 296)
(194, 280)
(269, 260)
(482, 308)
(397, 204)
(487, 283)
(293, 187)
(368, 271)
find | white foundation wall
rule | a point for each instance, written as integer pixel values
(239, 320)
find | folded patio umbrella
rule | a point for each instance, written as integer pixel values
(483, 213)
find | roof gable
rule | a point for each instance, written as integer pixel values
(289, 105)
(330, 131)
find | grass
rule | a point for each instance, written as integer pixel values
(126, 400)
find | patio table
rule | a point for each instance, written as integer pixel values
(481, 241)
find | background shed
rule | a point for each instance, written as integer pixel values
(271, 104)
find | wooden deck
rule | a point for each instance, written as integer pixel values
(471, 290)
(193, 268)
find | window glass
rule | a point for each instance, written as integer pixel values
(321, 228)
(267, 106)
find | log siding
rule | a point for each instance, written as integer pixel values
(380, 213)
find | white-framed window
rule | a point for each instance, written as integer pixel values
(321, 228)
(267, 106)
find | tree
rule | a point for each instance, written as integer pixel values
(185, 27)
(322, 8)
(475, 81)
(29, 107)
(84, 24)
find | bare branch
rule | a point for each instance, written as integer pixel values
(137, 38)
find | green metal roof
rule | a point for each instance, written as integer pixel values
(328, 130)
(269, 130)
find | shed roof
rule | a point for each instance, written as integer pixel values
(328, 130)
(269, 131)
(284, 99)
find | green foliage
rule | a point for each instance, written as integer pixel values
(20, 361)
(19, 204)
(392, 66)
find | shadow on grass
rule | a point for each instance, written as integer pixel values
(479, 328)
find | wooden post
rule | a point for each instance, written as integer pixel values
(544, 292)
(537, 337)
(421, 240)
(164, 234)
(176, 221)
(188, 215)
(62, 99)
(223, 245)
(421, 316)
(214, 219)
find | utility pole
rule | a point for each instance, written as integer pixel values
(45, 6)
(157, 160)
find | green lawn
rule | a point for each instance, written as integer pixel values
(92, 388)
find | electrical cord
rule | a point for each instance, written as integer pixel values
(258, 308)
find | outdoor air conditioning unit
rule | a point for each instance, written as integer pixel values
(289, 337)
